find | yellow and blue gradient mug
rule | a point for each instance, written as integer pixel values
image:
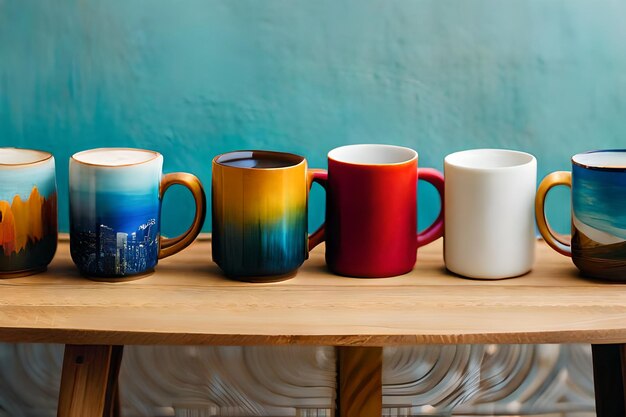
(259, 201)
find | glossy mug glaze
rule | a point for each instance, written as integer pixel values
(259, 203)
(28, 211)
(598, 213)
(371, 210)
(115, 212)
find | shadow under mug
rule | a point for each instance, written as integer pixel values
(115, 212)
(259, 204)
(598, 185)
(371, 210)
(28, 211)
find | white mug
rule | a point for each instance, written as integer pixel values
(489, 216)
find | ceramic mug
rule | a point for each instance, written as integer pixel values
(259, 203)
(489, 217)
(115, 207)
(28, 211)
(371, 210)
(598, 185)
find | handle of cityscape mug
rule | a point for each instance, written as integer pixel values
(173, 245)
(435, 230)
(319, 176)
(557, 243)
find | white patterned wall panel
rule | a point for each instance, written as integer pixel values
(488, 379)
(300, 381)
(247, 381)
(29, 379)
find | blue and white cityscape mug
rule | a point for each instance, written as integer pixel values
(115, 207)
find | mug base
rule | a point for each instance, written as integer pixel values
(24, 273)
(370, 275)
(600, 269)
(260, 279)
(608, 278)
(483, 278)
(126, 278)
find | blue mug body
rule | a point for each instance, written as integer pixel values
(115, 207)
(598, 246)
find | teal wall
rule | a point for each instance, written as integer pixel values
(192, 79)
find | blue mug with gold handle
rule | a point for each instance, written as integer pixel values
(598, 185)
(115, 212)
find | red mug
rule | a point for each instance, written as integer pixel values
(371, 210)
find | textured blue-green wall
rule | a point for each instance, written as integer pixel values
(192, 79)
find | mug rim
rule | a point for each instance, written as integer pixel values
(302, 160)
(447, 160)
(154, 153)
(373, 145)
(46, 156)
(597, 167)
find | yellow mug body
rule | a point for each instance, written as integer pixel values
(259, 201)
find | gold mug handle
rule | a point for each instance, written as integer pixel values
(559, 244)
(170, 246)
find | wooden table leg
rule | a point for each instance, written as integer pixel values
(609, 379)
(112, 406)
(89, 381)
(360, 381)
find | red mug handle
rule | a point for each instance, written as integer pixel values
(435, 230)
(319, 176)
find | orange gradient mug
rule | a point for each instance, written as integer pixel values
(260, 203)
(28, 211)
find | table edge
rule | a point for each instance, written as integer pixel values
(107, 337)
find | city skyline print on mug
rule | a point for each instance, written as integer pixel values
(28, 211)
(115, 205)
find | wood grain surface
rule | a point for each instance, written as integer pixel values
(188, 301)
(360, 381)
(85, 380)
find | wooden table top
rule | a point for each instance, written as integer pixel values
(188, 301)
